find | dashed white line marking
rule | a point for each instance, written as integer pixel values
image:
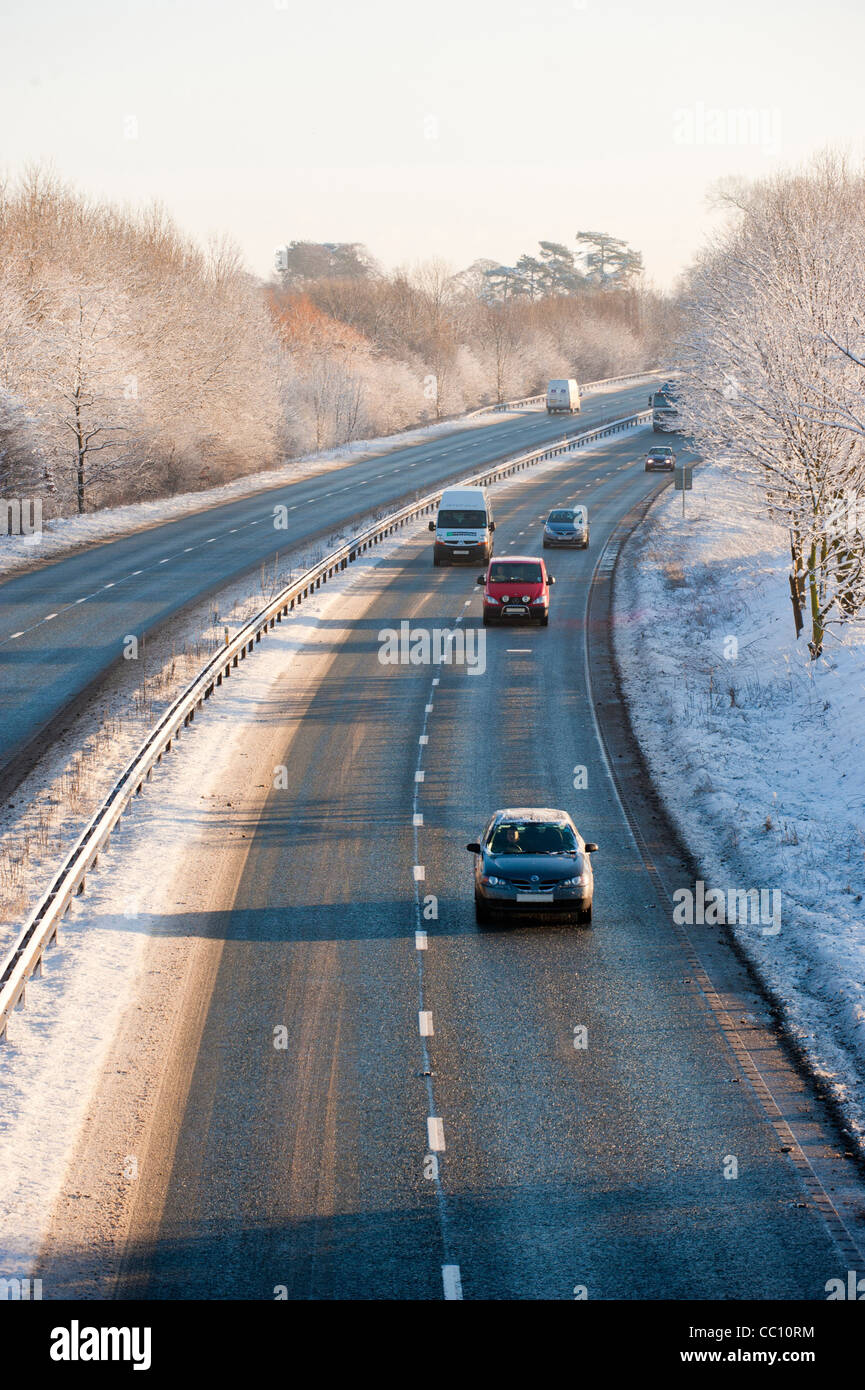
(424, 738)
(134, 572)
(108, 586)
(188, 549)
(83, 600)
(452, 1283)
(164, 562)
(515, 650)
(15, 634)
(419, 873)
(428, 709)
(417, 818)
(48, 617)
(425, 1023)
(435, 1134)
(468, 603)
(420, 941)
(435, 680)
(418, 777)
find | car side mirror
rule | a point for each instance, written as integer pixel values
(474, 847)
(492, 526)
(481, 579)
(550, 579)
(590, 847)
(432, 526)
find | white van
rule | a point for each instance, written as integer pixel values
(464, 526)
(563, 395)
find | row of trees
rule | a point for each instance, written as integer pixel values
(773, 363)
(135, 365)
(132, 364)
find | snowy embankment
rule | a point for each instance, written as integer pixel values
(758, 753)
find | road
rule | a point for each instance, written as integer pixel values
(63, 625)
(308, 1169)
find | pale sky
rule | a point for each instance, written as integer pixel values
(453, 128)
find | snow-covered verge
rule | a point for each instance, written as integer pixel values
(64, 534)
(758, 753)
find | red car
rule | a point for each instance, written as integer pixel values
(516, 588)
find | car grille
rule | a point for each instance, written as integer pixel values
(543, 886)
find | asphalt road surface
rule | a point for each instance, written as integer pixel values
(429, 1125)
(63, 625)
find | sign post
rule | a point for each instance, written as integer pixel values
(683, 481)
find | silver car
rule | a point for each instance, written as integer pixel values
(533, 861)
(567, 526)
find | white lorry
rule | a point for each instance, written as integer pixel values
(563, 395)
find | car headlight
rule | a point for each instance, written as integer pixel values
(527, 598)
(581, 881)
(488, 598)
(493, 881)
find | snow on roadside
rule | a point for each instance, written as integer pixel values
(759, 755)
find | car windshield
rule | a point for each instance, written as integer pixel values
(662, 453)
(562, 515)
(464, 519)
(514, 572)
(532, 837)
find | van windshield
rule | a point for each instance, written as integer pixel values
(462, 519)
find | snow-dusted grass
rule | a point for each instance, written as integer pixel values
(758, 752)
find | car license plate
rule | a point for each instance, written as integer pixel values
(515, 610)
(534, 897)
(461, 552)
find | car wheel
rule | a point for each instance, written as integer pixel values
(487, 620)
(483, 916)
(584, 916)
(545, 620)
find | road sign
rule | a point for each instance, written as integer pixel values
(684, 478)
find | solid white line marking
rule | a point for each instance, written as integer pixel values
(424, 738)
(453, 1284)
(418, 777)
(420, 940)
(417, 818)
(425, 1023)
(435, 1134)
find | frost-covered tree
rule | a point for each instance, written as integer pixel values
(768, 383)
